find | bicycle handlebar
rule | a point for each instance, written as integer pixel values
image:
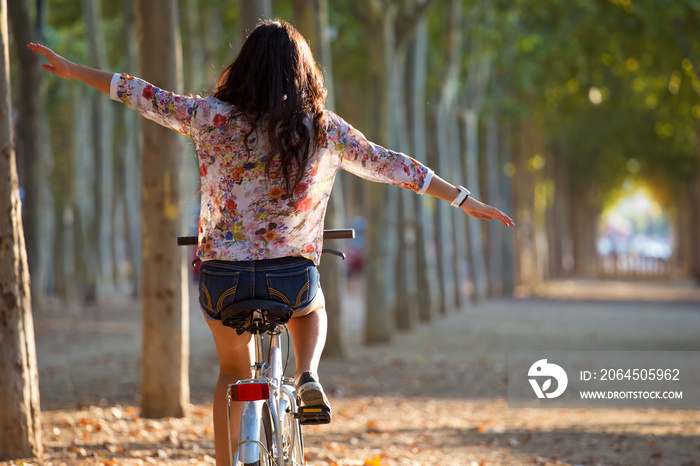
(343, 233)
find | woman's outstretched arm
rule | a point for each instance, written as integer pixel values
(473, 207)
(163, 107)
(66, 69)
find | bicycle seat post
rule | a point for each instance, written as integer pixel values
(259, 356)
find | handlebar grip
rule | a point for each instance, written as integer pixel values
(344, 233)
(187, 240)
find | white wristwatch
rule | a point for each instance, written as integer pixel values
(461, 197)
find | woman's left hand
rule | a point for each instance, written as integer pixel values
(57, 64)
(477, 209)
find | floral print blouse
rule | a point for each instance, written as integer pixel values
(246, 214)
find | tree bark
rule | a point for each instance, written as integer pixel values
(194, 71)
(584, 227)
(131, 174)
(30, 148)
(380, 293)
(164, 370)
(506, 196)
(694, 257)
(562, 215)
(84, 206)
(426, 277)
(447, 160)
(495, 229)
(471, 168)
(19, 378)
(102, 135)
(474, 98)
(250, 12)
(214, 35)
(406, 278)
(523, 187)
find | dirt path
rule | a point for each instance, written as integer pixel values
(436, 395)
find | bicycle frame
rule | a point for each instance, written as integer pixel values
(282, 399)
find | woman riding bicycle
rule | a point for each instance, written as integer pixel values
(268, 154)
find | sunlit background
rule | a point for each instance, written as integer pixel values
(635, 236)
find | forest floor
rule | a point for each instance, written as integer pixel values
(435, 395)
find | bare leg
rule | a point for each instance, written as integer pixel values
(236, 353)
(308, 329)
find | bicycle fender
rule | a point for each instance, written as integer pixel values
(249, 437)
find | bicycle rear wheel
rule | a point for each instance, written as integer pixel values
(292, 440)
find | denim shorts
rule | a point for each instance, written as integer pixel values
(293, 281)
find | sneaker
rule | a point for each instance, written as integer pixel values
(314, 407)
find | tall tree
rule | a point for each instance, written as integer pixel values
(128, 159)
(408, 16)
(426, 262)
(249, 13)
(495, 234)
(31, 142)
(474, 98)
(390, 26)
(447, 158)
(102, 135)
(380, 251)
(19, 379)
(164, 370)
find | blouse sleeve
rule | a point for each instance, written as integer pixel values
(165, 108)
(373, 162)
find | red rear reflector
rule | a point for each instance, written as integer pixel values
(250, 392)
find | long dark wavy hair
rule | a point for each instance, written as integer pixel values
(274, 82)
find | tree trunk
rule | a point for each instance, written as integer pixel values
(474, 97)
(427, 284)
(495, 229)
(130, 157)
(694, 257)
(250, 12)
(214, 35)
(84, 206)
(506, 195)
(311, 17)
(164, 370)
(380, 293)
(562, 215)
(551, 216)
(194, 71)
(31, 149)
(102, 135)
(447, 159)
(476, 244)
(406, 280)
(683, 248)
(19, 378)
(584, 227)
(523, 188)
(461, 262)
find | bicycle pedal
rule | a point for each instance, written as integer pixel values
(312, 415)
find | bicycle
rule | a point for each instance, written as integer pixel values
(270, 433)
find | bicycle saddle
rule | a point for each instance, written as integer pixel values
(240, 315)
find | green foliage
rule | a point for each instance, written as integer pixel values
(616, 80)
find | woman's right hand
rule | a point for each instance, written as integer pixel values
(57, 65)
(477, 209)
